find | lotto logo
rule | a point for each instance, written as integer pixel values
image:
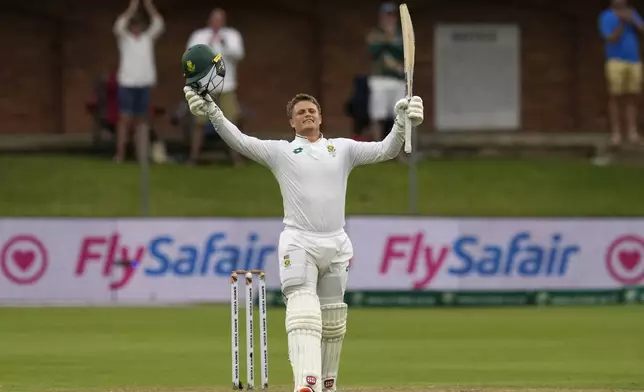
(311, 380)
(328, 383)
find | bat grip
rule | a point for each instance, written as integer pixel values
(407, 135)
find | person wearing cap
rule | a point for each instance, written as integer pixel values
(387, 76)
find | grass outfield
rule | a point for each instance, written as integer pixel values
(88, 187)
(188, 349)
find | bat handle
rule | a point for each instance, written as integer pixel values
(408, 136)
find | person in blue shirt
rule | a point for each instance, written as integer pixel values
(620, 26)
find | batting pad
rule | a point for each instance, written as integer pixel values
(334, 327)
(304, 329)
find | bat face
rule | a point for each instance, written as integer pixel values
(409, 46)
(409, 49)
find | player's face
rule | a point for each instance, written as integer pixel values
(306, 117)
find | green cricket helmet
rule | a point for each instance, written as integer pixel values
(203, 69)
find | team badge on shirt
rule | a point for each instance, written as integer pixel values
(331, 149)
(287, 260)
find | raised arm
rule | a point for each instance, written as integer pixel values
(157, 24)
(362, 153)
(120, 26)
(261, 151)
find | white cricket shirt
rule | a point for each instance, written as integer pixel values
(312, 175)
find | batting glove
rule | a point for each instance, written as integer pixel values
(411, 110)
(200, 106)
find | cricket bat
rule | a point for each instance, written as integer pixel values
(409, 49)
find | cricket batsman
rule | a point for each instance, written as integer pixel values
(314, 250)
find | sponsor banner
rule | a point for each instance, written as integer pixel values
(422, 299)
(131, 261)
(495, 254)
(190, 260)
(38, 261)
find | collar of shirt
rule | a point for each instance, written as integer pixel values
(313, 149)
(304, 140)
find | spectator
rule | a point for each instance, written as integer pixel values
(229, 42)
(619, 26)
(104, 107)
(387, 77)
(357, 107)
(137, 71)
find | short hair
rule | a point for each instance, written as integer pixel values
(299, 98)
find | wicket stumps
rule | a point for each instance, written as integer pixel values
(250, 347)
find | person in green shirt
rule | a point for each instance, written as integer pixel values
(387, 76)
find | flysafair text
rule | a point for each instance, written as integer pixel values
(165, 255)
(471, 256)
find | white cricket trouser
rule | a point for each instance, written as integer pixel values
(318, 262)
(384, 92)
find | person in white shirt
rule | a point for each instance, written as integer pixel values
(229, 42)
(314, 250)
(137, 70)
